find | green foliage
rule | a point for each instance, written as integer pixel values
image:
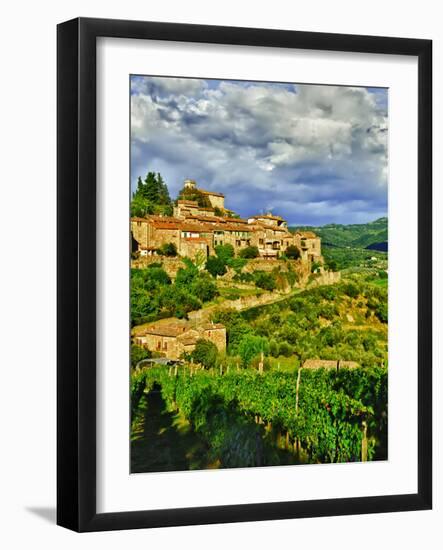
(265, 280)
(215, 266)
(205, 353)
(167, 249)
(355, 235)
(153, 296)
(251, 346)
(225, 252)
(237, 264)
(204, 287)
(194, 195)
(315, 266)
(151, 197)
(138, 354)
(292, 252)
(327, 424)
(249, 252)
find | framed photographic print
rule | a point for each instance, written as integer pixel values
(244, 274)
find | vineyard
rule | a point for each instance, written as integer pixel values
(247, 418)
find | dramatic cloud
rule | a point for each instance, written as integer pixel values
(313, 154)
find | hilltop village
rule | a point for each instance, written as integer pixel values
(194, 229)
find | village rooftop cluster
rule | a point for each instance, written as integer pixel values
(194, 230)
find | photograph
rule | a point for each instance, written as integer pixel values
(258, 274)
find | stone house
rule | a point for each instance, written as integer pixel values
(173, 339)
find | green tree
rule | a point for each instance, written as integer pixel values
(215, 266)
(204, 287)
(168, 249)
(205, 353)
(225, 252)
(249, 252)
(138, 354)
(265, 280)
(250, 347)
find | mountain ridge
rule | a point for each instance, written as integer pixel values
(372, 235)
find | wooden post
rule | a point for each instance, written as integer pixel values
(260, 365)
(297, 388)
(364, 442)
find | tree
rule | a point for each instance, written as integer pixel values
(250, 346)
(292, 252)
(225, 252)
(265, 280)
(205, 353)
(249, 252)
(138, 354)
(168, 249)
(215, 266)
(151, 196)
(204, 287)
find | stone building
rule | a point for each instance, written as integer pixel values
(171, 340)
(196, 230)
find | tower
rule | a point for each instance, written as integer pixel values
(190, 184)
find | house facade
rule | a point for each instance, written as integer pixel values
(172, 340)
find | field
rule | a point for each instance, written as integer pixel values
(243, 408)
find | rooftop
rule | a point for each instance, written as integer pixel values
(205, 192)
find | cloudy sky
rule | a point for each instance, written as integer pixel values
(310, 153)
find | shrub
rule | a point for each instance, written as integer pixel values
(224, 252)
(168, 249)
(265, 280)
(204, 287)
(138, 354)
(215, 266)
(205, 353)
(249, 252)
(250, 346)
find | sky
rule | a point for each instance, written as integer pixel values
(314, 154)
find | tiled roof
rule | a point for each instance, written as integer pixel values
(267, 216)
(211, 193)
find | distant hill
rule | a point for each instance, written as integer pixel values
(372, 235)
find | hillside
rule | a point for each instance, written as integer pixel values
(367, 235)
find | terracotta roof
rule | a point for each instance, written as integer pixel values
(211, 193)
(137, 219)
(206, 219)
(196, 239)
(267, 216)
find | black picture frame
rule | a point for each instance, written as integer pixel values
(76, 281)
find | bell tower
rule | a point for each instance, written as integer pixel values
(190, 184)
